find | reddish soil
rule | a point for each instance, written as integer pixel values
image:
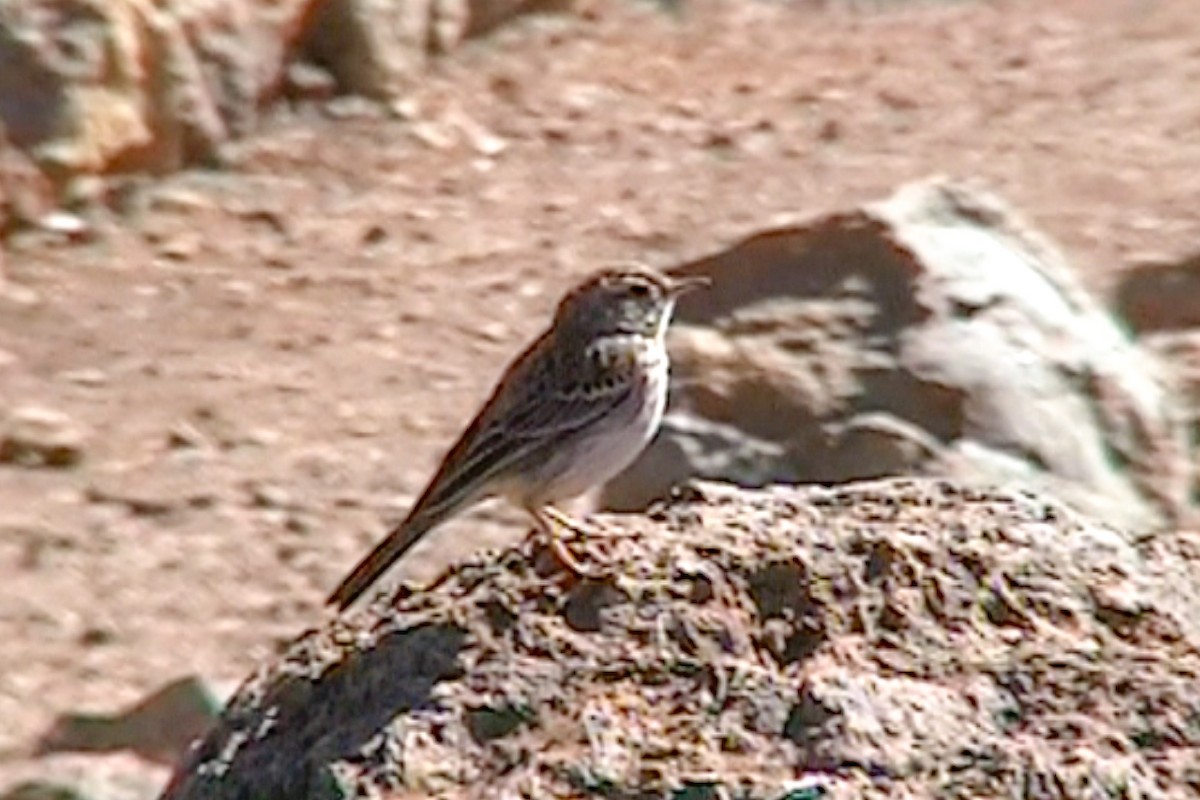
(271, 358)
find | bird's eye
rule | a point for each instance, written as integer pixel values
(639, 290)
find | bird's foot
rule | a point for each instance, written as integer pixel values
(552, 522)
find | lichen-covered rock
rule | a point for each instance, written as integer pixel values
(888, 639)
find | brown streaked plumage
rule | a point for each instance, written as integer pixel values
(570, 412)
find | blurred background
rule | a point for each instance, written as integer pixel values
(262, 259)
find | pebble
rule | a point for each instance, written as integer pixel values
(269, 496)
(72, 226)
(85, 377)
(186, 435)
(36, 436)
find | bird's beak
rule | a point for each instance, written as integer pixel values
(684, 285)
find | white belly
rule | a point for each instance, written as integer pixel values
(599, 458)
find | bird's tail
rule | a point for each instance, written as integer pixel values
(377, 562)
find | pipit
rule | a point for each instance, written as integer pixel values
(573, 410)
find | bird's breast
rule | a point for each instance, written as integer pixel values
(612, 444)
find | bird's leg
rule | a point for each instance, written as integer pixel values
(550, 520)
(567, 521)
(586, 529)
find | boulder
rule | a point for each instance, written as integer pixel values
(931, 333)
(380, 48)
(97, 86)
(899, 638)
(94, 86)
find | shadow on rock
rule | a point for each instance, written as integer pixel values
(289, 721)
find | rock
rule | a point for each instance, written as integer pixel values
(108, 777)
(97, 87)
(1161, 296)
(486, 15)
(372, 47)
(25, 193)
(88, 376)
(70, 226)
(92, 87)
(902, 638)
(927, 334)
(41, 437)
(693, 447)
(1182, 350)
(379, 48)
(159, 728)
(76, 89)
(309, 82)
(270, 496)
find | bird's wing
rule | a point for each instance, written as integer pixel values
(530, 410)
(535, 418)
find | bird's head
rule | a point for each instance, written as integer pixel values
(633, 300)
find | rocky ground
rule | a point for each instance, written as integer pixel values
(258, 365)
(892, 639)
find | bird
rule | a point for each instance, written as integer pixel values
(575, 408)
